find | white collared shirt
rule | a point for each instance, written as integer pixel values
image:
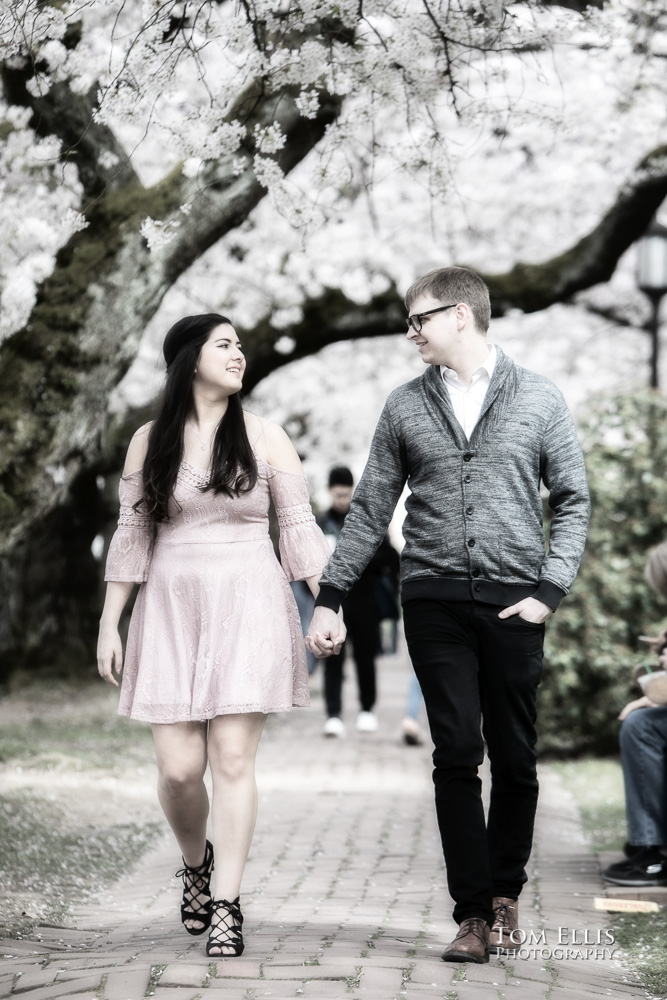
(467, 400)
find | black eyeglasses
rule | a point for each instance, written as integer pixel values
(416, 321)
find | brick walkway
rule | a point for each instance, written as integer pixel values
(345, 893)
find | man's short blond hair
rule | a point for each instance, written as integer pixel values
(454, 284)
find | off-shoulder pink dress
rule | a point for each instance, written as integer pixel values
(215, 628)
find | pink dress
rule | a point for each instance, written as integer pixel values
(215, 628)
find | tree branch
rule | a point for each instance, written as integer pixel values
(593, 259)
(57, 373)
(69, 116)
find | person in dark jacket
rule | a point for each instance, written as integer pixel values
(362, 613)
(474, 437)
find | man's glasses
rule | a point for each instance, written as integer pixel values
(415, 321)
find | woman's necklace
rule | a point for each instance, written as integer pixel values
(205, 446)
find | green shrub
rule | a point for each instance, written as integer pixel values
(592, 642)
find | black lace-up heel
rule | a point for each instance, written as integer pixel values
(226, 934)
(196, 892)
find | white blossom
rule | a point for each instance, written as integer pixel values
(269, 139)
(285, 345)
(158, 233)
(308, 103)
(73, 222)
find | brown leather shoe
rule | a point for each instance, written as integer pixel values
(471, 944)
(505, 920)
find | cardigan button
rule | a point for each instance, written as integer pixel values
(469, 510)
(467, 457)
(471, 542)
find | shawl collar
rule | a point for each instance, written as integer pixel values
(502, 389)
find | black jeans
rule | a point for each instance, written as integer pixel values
(479, 674)
(363, 628)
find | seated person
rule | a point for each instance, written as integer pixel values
(643, 742)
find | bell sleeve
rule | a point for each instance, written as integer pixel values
(304, 551)
(132, 543)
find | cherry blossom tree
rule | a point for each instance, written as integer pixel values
(295, 164)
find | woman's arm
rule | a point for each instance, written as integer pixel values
(137, 536)
(109, 646)
(286, 491)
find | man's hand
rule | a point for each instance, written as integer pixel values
(326, 633)
(529, 609)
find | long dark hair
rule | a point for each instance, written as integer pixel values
(233, 467)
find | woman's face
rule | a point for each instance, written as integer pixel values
(221, 363)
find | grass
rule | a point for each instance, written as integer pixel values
(597, 787)
(63, 721)
(68, 774)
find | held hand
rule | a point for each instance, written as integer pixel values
(109, 654)
(529, 609)
(326, 633)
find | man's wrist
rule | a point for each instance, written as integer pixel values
(329, 597)
(549, 593)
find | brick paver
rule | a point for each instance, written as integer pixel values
(344, 896)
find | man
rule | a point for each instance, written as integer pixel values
(473, 437)
(361, 612)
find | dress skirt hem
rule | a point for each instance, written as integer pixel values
(138, 714)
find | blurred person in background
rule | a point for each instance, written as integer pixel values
(305, 603)
(214, 642)
(411, 731)
(643, 743)
(362, 611)
(474, 438)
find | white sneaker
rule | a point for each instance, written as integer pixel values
(334, 727)
(367, 722)
(412, 733)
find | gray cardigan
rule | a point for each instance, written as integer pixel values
(473, 528)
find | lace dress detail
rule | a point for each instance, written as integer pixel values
(304, 550)
(131, 546)
(215, 628)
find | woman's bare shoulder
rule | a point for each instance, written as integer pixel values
(272, 443)
(136, 453)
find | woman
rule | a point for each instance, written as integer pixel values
(215, 641)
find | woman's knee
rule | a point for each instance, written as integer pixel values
(232, 764)
(178, 777)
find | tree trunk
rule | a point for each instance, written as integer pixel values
(57, 373)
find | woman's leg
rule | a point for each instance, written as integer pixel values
(181, 760)
(232, 748)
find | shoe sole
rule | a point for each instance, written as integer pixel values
(635, 883)
(464, 956)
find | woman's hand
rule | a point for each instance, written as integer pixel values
(633, 705)
(109, 653)
(326, 633)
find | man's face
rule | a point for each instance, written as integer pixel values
(440, 331)
(340, 498)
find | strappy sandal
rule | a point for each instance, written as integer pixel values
(196, 892)
(227, 933)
